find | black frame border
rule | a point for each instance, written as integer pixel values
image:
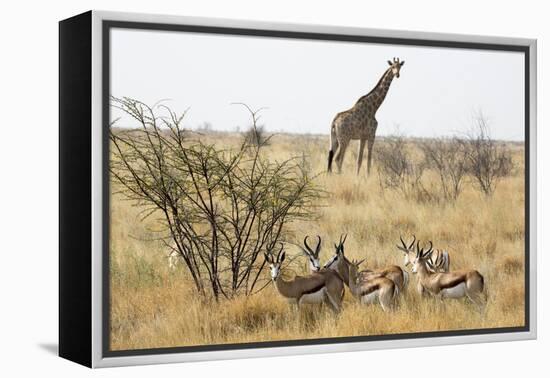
(75, 189)
(108, 25)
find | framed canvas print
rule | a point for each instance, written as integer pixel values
(234, 189)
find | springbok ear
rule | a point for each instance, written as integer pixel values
(389, 63)
(401, 64)
(282, 258)
(266, 256)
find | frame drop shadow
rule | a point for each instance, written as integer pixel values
(51, 348)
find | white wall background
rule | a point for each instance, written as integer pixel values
(28, 157)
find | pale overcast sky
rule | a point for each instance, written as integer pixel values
(305, 83)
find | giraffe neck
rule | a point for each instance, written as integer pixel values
(378, 94)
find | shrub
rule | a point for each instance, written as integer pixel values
(256, 135)
(487, 160)
(398, 170)
(220, 210)
(448, 158)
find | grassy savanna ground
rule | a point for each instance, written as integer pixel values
(153, 306)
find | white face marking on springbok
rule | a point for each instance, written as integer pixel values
(275, 263)
(406, 249)
(332, 263)
(313, 254)
(314, 265)
(274, 270)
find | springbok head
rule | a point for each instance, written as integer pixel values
(396, 66)
(313, 255)
(407, 249)
(422, 257)
(354, 267)
(338, 255)
(275, 262)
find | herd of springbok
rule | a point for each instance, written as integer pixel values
(326, 285)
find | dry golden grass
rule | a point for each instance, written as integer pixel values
(152, 306)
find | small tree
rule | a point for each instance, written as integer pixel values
(256, 133)
(448, 158)
(487, 160)
(397, 169)
(219, 209)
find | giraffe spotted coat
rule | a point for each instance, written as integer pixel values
(359, 122)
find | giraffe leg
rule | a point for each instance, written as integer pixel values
(343, 146)
(360, 155)
(370, 144)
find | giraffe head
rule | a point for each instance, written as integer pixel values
(396, 66)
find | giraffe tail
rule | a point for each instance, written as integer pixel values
(333, 146)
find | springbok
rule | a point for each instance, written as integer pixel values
(316, 288)
(458, 284)
(392, 272)
(369, 291)
(439, 259)
(174, 257)
(313, 255)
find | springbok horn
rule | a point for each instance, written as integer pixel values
(431, 246)
(318, 248)
(402, 242)
(345, 237)
(281, 250)
(309, 251)
(418, 249)
(412, 244)
(429, 250)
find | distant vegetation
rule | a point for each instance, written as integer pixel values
(474, 158)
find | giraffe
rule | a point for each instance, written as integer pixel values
(359, 122)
